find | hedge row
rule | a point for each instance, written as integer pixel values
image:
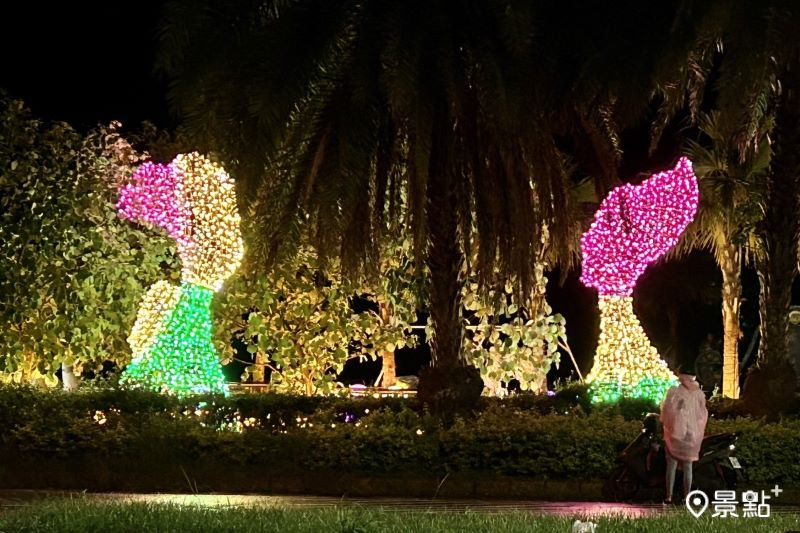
(541, 438)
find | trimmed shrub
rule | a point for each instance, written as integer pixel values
(535, 437)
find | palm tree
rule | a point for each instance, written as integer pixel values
(757, 77)
(781, 230)
(731, 204)
(766, 54)
(326, 110)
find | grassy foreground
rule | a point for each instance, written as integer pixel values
(80, 516)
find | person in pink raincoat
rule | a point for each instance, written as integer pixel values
(683, 417)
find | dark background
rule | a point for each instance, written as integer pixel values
(83, 62)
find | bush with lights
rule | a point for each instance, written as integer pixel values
(215, 439)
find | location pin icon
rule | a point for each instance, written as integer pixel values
(697, 502)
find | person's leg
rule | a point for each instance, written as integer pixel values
(672, 466)
(687, 478)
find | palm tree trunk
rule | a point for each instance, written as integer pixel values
(776, 286)
(781, 227)
(445, 256)
(445, 261)
(773, 384)
(389, 369)
(731, 297)
(451, 385)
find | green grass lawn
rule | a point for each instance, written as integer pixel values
(81, 516)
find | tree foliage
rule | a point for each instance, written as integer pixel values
(298, 321)
(509, 340)
(732, 186)
(335, 107)
(506, 341)
(73, 272)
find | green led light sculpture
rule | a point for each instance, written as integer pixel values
(194, 200)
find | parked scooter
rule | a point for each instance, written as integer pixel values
(641, 467)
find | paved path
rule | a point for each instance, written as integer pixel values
(10, 499)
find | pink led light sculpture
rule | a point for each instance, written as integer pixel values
(635, 225)
(156, 196)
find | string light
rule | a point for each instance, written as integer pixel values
(194, 200)
(635, 225)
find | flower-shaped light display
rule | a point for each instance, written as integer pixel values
(635, 225)
(194, 200)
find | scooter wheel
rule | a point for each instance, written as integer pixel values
(730, 477)
(621, 485)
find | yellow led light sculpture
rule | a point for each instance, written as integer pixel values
(213, 248)
(158, 301)
(626, 363)
(194, 200)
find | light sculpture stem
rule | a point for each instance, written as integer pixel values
(626, 363)
(181, 355)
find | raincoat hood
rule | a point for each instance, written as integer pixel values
(689, 381)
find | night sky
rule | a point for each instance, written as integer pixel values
(83, 62)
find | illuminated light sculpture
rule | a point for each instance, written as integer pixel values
(635, 225)
(194, 200)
